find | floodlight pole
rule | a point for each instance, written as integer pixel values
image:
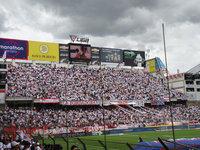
(102, 101)
(67, 119)
(171, 113)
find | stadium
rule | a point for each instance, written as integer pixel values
(55, 96)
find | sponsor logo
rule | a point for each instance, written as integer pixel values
(5, 47)
(95, 50)
(129, 54)
(64, 47)
(12, 48)
(44, 49)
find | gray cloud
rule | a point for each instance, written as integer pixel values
(3, 21)
(131, 24)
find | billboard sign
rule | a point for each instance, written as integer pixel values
(15, 49)
(111, 55)
(78, 38)
(79, 52)
(63, 53)
(95, 56)
(134, 58)
(43, 51)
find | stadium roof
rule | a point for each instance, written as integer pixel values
(194, 70)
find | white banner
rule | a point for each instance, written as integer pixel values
(2, 96)
(49, 101)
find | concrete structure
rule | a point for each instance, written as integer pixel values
(188, 83)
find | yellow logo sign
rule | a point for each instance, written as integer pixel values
(43, 51)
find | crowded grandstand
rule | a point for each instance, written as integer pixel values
(77, 97)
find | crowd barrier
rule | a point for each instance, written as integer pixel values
(143, 129)
(62, 131)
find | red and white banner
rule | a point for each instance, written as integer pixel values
(49, 101)
(128, 102)
(80, 103)
(176, 76)
(166, 99)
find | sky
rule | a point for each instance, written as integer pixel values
(124, 24)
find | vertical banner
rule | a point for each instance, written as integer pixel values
(2, 96)
(43, 51)
(95, 56)
(63, 53)
(152, 65)
(134, 58)
(15, 49)
(79, 52)
(111, 55)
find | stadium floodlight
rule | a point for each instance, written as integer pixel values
(171, 113)
(102, 101)
(147, 54)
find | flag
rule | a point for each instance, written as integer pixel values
(4, 56)
(24, 136)
(73, 37)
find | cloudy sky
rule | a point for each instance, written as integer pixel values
(128, 24)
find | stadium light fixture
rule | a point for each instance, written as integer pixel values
(171, 113)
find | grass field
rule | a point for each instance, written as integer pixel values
(118, 142)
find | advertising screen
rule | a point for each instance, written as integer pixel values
(43, 51)
(79, 52)
(15, 49)
(95, 56)
(111, 55)
(134, 58)
(63, 53)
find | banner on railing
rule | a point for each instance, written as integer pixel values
(128, 102)
(49, 101)
(80, 103)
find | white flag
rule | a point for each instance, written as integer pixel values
(4, 56)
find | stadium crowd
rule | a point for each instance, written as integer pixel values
(81, 117)
(81, 83)
(9, 143)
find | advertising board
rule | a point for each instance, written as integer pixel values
(134, 58)
(79, 52)
(15, 49)
(43, 51)
(111, 55)
(63, 53)
(95, 56)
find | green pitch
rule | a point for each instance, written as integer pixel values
(118, 142)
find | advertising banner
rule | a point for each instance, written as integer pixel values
(79, 52)
(15, 49)
(134, 58)
(43, 51)
(80, 103)
(2, 96)
(64, 53)
(111, 55)
(152, 65)
(128, 102)
(95, 56)
(49, 101)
